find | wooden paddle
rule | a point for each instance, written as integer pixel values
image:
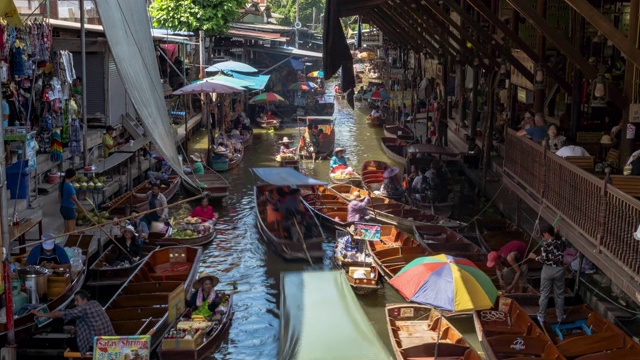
(304, 244)
(126, 197)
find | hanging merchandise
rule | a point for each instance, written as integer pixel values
(65, 126)
(56, 148)
(75, 137)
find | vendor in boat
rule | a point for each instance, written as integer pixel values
(129, 242)
(204, 211)
(91, 321)
(157, 202)
(391, 186)
(269, 116)
(204, 299)
(357, 210)
(197, 168)
(338, 158)
(511, 265)
(49, 254)
(220, 152)
(285, 148)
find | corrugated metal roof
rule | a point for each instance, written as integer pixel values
(256, 35)
(158, 34)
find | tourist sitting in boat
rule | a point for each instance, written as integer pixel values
(205, 300)
(413, 173)
(141, 227)
(49, 254)
(357, 210)
(438, 190)
(297, 223)
(204, 211)
(391, 186)
(338, 158)
(91, 321)
(420, 184)
(129, 241)
(285, 148)
(376, 113)
(156, 201)
(474, 153)
(511, 267)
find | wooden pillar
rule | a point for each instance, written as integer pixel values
(474, 100)
(461, 77)
(576, 96)
(541, 45)
(629, 74)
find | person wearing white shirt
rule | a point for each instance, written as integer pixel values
(376, 113)
(571, 149)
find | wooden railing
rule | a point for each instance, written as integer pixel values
(606, 216)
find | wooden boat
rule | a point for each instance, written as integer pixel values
(292, 161)
(394, 148)
(329, 209)
(272, 124)
(167, 240)
(210, 182)
(401, 132)
(587, 335)
(372, 172)
(276, 237)
(350, 192)
(507, 332)
(101, 273)
(394, 250)
(374, 121)
(122, 205)
(350, 180)
(248, 141)
(144, 304)
(352, 267)
(442, 240)
(326, 143)
(208, 343)
(392, 212)
(416, 331)
(60, 289)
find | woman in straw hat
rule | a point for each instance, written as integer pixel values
(391, 186)
(204, 299)
(285, 148)
(197, 168)
(338, 158)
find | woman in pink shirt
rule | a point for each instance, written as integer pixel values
(204, 211)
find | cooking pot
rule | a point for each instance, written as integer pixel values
(35, 280)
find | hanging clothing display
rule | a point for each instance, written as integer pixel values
(57, 153)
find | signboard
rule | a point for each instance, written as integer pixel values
(364, 231)
(634, 113)
(525, 96)
(176, 303)
(518, 79)
(122, 347)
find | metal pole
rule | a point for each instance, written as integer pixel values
(6, 241)
(83, 52)
(297, 19)
(201, 45)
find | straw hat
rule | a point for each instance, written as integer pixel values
(285, 140)
(196, 157)
(605, 139)
(235, 132)
(220, 150)
(205, 276)
(390, 172)
(336, 151)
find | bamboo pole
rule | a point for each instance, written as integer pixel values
(115, 221)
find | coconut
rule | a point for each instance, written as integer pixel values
(104, 214)
(102, 179)
(90, 185)
(99, 185)
(76, 185)
(83, 186)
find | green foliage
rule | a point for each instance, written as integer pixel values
(212, 16)
(287, 8)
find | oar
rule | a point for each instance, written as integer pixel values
(304, 245)
(104, 231)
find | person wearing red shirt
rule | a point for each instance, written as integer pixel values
(204, 211)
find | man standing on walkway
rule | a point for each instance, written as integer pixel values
(552, 276)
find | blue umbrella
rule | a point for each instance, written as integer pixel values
(231, 66)
(230, 80)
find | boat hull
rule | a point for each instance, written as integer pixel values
(394, 148)
(101, 275)
(122, 204)
(193, 241)
(211, 182)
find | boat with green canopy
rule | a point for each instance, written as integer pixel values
(320, 318)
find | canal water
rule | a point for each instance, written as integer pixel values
(245, 265)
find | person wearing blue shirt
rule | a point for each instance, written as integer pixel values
(68, 201)
(338, 158)
(49, 254)
(5, 112)
(538, 132)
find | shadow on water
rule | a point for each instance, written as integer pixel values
(241, 259)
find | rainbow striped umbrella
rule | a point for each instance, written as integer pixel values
(445, 282)
(303, 86)
(266, 98)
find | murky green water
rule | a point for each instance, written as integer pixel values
(239, 256)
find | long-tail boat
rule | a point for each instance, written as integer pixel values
(586, 335)
(119, 205)
(60, 288)
(507, 332)
(391, 212)
(359, 270)
(210, 182)
(420, 332)
(372, 173)
(394, 250)
(328, 208)
(440, 239)
(272, 231)
(205, 343)
(401, 132)
(144, 304)
(394, 148)
(199, 234)
(103, 273)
